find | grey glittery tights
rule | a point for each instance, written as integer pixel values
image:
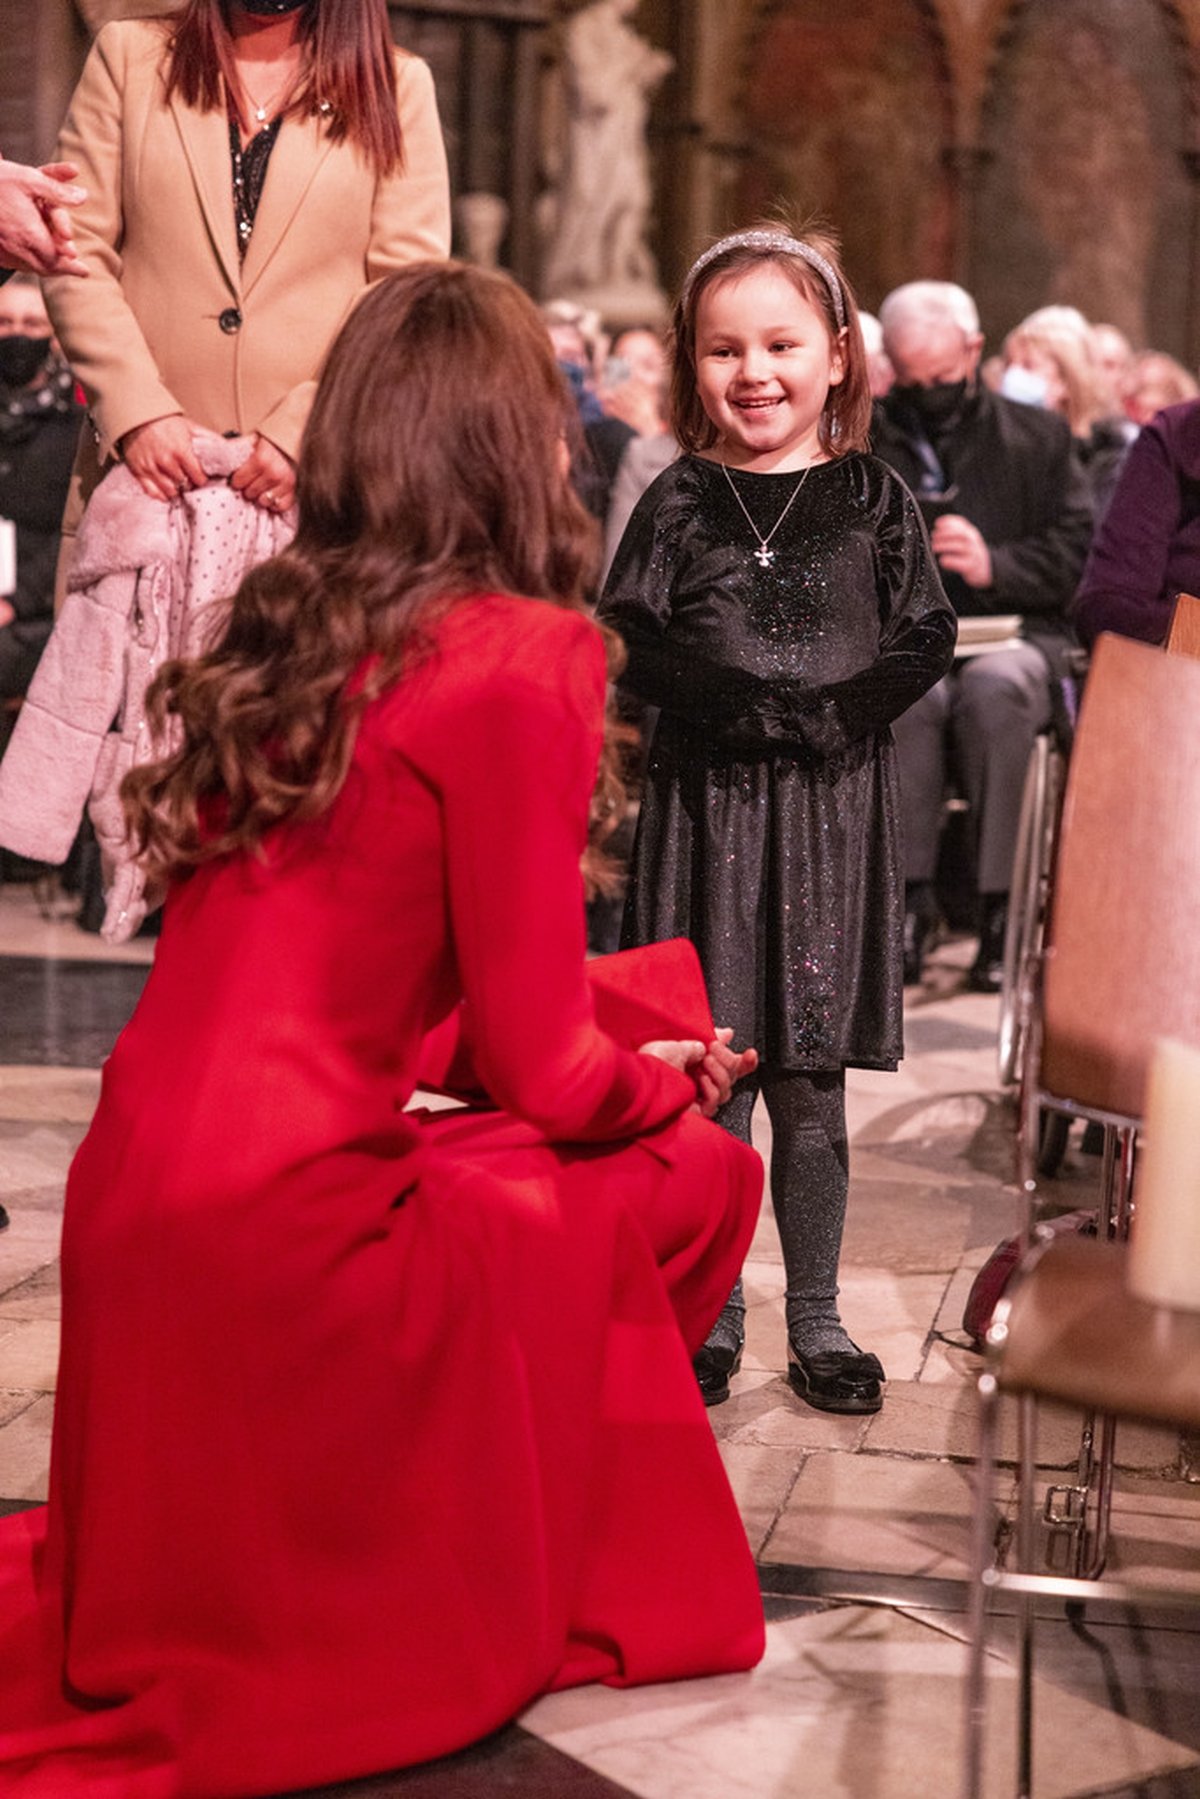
(810, 1173)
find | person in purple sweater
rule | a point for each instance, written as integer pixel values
(1147, 547)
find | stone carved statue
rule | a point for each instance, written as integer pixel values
(481, 220)
(598, 248)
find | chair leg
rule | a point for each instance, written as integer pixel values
(1098, 1537)
(1029, 1111)
(983, 1537)
(1116, 1210)
(1119, 1193)
(1027, 1463)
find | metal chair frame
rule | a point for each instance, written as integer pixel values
(1079, 1510)
(986, 1578)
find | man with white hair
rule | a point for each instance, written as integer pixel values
(1009, 515)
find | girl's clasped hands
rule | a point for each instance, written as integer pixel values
(715, 1068)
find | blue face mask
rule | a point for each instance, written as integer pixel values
(1021, 384)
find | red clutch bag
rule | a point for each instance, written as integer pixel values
(657, 991)
(641, 996)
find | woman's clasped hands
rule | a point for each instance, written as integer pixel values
(715, 1068)
(162, 456)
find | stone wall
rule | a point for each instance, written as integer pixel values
(1032, 149)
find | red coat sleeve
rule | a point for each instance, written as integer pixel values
(510, 745)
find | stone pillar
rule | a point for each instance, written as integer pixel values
(485, 60)
(966, 164)
(44, 46)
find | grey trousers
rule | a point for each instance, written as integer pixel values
(976, 728)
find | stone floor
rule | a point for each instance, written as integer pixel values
(860, 1526)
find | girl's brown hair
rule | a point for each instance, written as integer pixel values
(349, 72)
(846, 419)
(431, 469)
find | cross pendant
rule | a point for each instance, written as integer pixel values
(763, 556)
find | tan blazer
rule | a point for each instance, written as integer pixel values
(168, 321)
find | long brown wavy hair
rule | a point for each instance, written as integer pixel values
(432, 469)
(349, 69)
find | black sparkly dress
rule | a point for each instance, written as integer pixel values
(769, 828)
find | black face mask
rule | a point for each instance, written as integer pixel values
(271, 9)
(21, 358)
(937, 405)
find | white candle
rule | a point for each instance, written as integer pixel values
(1164, 1243)
(8, 557)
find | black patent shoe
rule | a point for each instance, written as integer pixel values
(714, 1365)
(837, 1380)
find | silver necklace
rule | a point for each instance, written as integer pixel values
(263, 112)
(764, 555)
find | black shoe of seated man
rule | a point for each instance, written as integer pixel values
(835, 1380)
(986, 973)
(1092, 1141)
(920, 928)
(714, 1364)
(3, 1219)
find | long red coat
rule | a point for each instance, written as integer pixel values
(372, 1426)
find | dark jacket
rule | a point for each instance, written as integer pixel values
(1147, 547)
(36, 454)
(1012, 470)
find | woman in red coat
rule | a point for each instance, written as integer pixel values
(374, 1424)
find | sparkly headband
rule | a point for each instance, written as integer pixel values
(783, 245)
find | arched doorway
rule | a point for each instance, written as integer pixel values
(848, 112)
(1084, 193)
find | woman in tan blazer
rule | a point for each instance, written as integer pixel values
(214, 291)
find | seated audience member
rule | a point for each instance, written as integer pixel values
(600, 440)
(1156, 380)
(441, 1359)
(1147, 547)
(1049, 362)
(633, 381)
(882, 373)
(1007, 504)
(1112, 354)
(644, 460)
(578, 343)
(40, 416)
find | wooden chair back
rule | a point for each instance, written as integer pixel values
(1123, 941)
(1183, 637)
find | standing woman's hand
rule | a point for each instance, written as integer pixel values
(267, 476)
(161, 456)
(35, 223)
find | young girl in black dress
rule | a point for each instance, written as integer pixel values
(780, 606)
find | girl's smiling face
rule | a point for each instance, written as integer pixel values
(765, 362)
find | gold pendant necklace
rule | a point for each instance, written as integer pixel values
(764, 555)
